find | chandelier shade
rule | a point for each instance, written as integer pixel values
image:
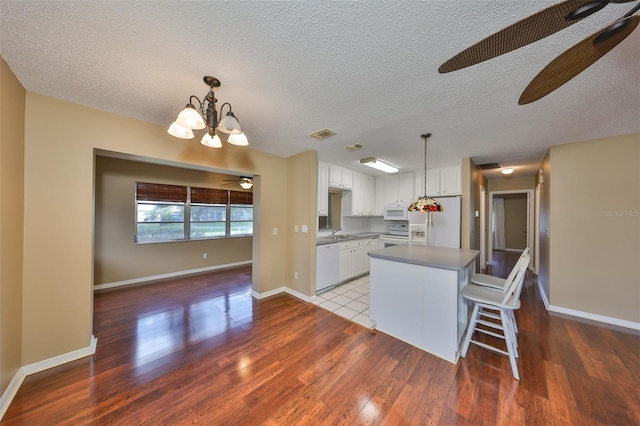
(190, 118)
(230, 124)
(239, 139)
(211, 142)
(179, 131)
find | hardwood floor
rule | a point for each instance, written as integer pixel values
(200, 350)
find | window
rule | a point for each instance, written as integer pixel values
(208, 213)
(241, 214)
(213, 213)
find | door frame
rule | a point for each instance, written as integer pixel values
(530, 216)
(483, 228)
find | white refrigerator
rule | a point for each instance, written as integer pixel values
(442, 229)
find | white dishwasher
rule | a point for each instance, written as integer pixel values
(327, 265)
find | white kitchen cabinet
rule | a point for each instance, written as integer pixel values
(379, 194)
(450, 178)
(440, 182)
(405, 186)
(323, 189)
(345, 264)
(357, 261)
(391, 188)
(433, 182)
(339, 177)
(359, 201)
(371, 195)
(352, 261)
(368, 246)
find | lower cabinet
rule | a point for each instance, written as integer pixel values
(354, 259)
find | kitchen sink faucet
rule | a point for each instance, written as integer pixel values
(333, 233)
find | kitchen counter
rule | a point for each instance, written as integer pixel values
(355, 236)
(415, 295)
(437, 257)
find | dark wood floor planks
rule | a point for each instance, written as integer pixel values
(200, 350)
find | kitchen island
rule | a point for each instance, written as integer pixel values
(415, 295)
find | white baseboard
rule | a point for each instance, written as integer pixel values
(279, 290)
(25, 370)
(11, 391)
(543, 295)
(586, 315)
(169, 275)
(595, 317)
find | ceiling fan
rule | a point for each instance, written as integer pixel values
(244, 181)
(542, 24)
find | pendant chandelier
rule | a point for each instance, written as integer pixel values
(425, 204)
(206, 115)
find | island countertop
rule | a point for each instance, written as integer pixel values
(437, 257)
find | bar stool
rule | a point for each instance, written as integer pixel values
(486, 302)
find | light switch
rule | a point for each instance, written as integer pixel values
(305, 229)
(477, 213)
(275, 231)
(295, 228)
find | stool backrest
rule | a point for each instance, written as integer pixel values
(512, 293)
(516, 268)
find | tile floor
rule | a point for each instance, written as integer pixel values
(349, 300)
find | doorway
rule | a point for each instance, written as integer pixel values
(510, 221)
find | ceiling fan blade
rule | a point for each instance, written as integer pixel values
(577, 59)
(526, 31)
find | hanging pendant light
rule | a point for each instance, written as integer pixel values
(425, 204)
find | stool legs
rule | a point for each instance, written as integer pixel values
(506, 325)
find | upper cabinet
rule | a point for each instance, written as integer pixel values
(450, 180)
(440, 182)
(323, 189)
(360, 201)
(340, 177)
(392, 189)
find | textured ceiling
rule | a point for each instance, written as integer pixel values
(366, 70)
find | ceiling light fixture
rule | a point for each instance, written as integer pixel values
(507, 171)
(379, 164)
(206, 115)
(246, 183)
(426, 204)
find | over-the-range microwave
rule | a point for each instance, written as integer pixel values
(396, 211)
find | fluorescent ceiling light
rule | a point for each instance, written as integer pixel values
(507, 171)
(378, 164)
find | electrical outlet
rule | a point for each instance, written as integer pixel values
(295, 275)
(295, 228)
(275, 231)
(204, 255)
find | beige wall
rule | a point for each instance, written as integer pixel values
(12, 100)
(60, 140)
(511, 184)
(117, 258)
(515, 212)
(302, 186)
(595, 227)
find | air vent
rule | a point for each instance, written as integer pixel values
(489, 166)
(354, 147)
(322, 134)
